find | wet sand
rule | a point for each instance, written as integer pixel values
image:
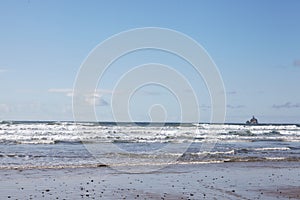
(268, 180)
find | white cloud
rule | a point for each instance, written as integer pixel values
(3, 70)
(60, 90)
(66, 91)
(4, 108)
(91, 98)
(286, 105)
(232, 92)
(96, 99)
(70, 92)
(235, 106)
(297, 63)
(152, 93)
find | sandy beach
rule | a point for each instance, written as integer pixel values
(268, 180)
(159, 100)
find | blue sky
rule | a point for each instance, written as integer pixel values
(255, 44)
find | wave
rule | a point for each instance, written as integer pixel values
(100, 165)
(149, 164)
(272, 149)
(212, 153)
(294, 148)
(59, 132)
(253, 133)
(41, 141)
(261, 149)
(181, 156)
(63, 166)
(262, 159)
(270, 139)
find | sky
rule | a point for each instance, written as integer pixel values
(255, 45)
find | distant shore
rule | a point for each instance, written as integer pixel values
(267, 180)
(141, 123)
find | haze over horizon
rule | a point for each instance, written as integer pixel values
(255, 45)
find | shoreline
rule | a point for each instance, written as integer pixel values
(257, 180)
(112, 123)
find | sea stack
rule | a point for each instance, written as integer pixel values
(252, 121)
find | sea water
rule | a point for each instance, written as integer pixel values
(28, 145)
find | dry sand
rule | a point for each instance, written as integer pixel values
(271, 180)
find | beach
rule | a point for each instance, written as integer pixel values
(150, 100)
(257, 180)
(68, 160)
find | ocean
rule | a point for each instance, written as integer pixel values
(136, 146)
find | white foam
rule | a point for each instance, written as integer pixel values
(275, 158)
(49, 133)
(213, 152)
(272, 149)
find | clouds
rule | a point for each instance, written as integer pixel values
(4, 108)
(152, 93)
(91, 98)
(67, 92)
(286, 105)
(293, 64)
(3, 70)
(95, 99)
(29, 110)
(296, 63)
(231, 92)
(235, 106)
(229, 106)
